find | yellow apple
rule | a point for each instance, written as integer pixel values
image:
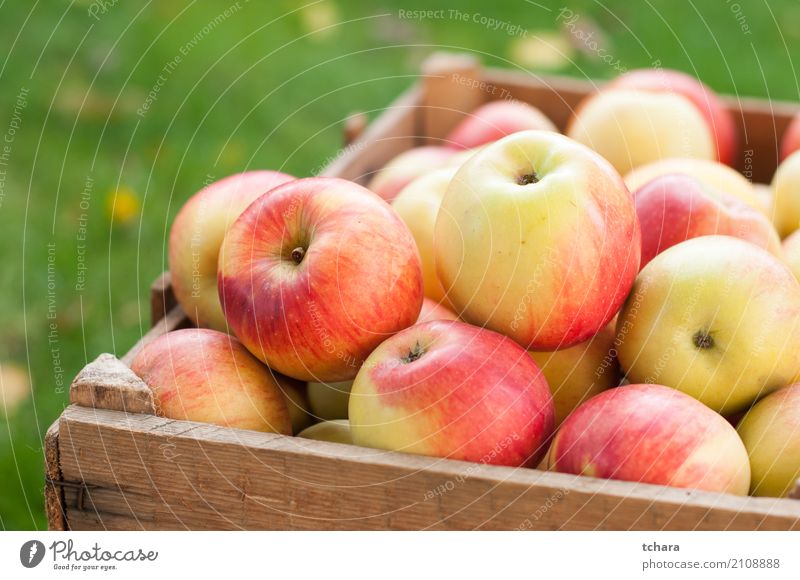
(786, 195)
(771, 435)
(791, 253)
(578, 373)
(715, 317)
(337, 431)
(631, 128)
(328, 401)
(418, 204)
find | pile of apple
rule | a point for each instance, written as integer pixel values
(614, 302)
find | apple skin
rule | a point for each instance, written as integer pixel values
(771, 435)
(786, 196)
(632, 128)
(495, 120)
(710, 173)
(449, 389)
(675, 207)
(434, 311)
(313, 276)
(547, 263)
(418, 204)
(764, 194)
(720, 120)
(196, 236)
(578, 373)
(715, 317)
(790, 142)
(652, 434)
(336, 431)
(208, 376)
(791, 253)
(406, 167)
(296, 395)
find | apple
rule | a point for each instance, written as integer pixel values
(719, 119)
(196, 236)
(434, 311)
(418, 204)
(764, 194)
(537, 238)
(652, 434)
(449, 389)
(313, 276)
(208, 376)
(676, 207)
(578, 373)
(710, 173)
(495, 120)
(296, 396)
(406, 167)
(328, 401)
(771, 435)
(790, 142)
(786, 196)
(791, 253)
(631, 128)
(337, 431)
(715, 317)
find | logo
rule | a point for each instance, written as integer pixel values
(31, 553)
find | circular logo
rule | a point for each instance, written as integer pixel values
(31, 553)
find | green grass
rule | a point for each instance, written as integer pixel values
(260, 89)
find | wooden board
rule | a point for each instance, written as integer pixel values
(147, 472)
(113, 464)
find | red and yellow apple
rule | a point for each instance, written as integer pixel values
(196, 236)
(336, 431)
(537, 238)
(418, 204)
(406, 167)
(720, 120)
(449, 389)
(208, 376)
(652, 434)
(495, 120)
(715, 317)
(632, 128)
(578, 373)
(313, 276)
(771, 435)
(434, 311)
(710, 173)
(786, 196)
(677, 207)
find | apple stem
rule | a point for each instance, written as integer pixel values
(298, 254)
(528, 178)
(413, 354)
(703, 339)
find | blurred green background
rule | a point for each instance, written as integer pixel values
(90, 180)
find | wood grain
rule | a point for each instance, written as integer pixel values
(108, 383)
(53, 495)
(155, 473)
(452, 88)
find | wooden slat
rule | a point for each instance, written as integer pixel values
(53, 496)
(394, 131)
(155, 473)
(108, 383)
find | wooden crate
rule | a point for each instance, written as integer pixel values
(113, 464)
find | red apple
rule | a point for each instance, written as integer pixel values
(448, 389)
(676, 207)
(406, 167)
(315, 275)
(432, 310)
(719, 118)
(790, 142)
(652, 434)
(196, 236)
(495, 120)
(208, 376)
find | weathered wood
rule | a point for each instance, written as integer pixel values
(53, 496)
(354, 127)
(162, 298)
(396, 130)
(452, 88)
(108, 383)
(155, 473)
